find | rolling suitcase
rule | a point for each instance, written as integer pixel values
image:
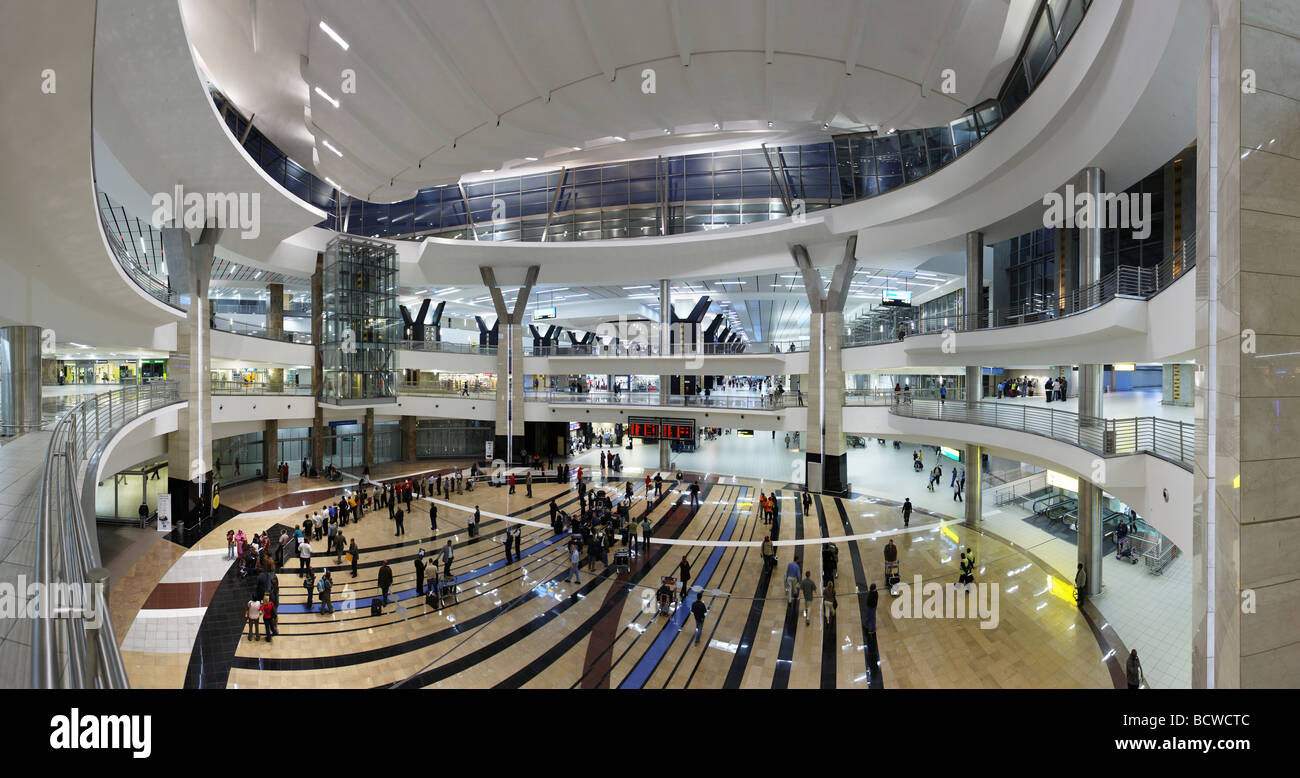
(376, 607)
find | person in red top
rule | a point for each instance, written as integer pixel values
(269, 617)
(647, 484)
(580, 475)
(512, 483)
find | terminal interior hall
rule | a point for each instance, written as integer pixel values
(650, 344)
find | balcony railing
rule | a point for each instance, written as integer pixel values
(713, 400)
(1166, 438)
(638, 349)
(1125, 281)
(426, 390)
(444, 347)
(73, 642)
(259, 388)
(257, 331)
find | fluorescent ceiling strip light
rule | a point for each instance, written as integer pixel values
(331, 100)
(330, 146)
(330, 32)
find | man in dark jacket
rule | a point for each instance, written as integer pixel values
(385, 581)
(400, 518)
(699, 611)
(433, 518)
(419, 573)
(684, 570)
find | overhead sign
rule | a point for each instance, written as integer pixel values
(544, 313)
(896, 296)
(647, 428)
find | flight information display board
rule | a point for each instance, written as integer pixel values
(647, 428)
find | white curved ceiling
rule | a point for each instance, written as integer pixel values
(451, 87)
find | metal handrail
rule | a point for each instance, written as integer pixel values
(445, 347)
(257, 331)
(258, 388)
(67, 651)
(1123, 281)
(1166, 438)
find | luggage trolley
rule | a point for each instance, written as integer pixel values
(892, 577)
(623, 560)
(666, 597)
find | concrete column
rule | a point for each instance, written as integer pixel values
(825, 459)
(665, 347)
(368, 439)
(275, 312)
(1090, 533)
(408, 425)
(1244, 524)
(275, 379)
(974, 495)
(510, 362)
(270, 449)
(20, 377)
(974, 318)
(189, 448)
(317, 366)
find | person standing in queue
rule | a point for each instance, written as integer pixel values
(419, 573)
(385, 581)
(448, 554)
(433, 518)
(354, 555)
(400, 517)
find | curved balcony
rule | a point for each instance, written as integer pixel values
(1165, 438)
(77, 648)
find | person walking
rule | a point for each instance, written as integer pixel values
(574, 560)
(304, 556)
(645, 532)
(907, 511)
(419, 573)
(807, 502)
(1132, 670)
(699, 610)
(510, 544)
(401, 526)
(809, 591)
(695, 493)
(253, 613)
(961, 487)
(448, 554)
(792, 576)
(339, 543)
(829, 603)
(354, 555)
(528, 482)
(769, 553)
(512, 484)
(385, 581)
(474, 525)
(433, 518)
(519, 533)
(684, 570)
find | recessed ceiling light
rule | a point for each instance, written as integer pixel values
(667, 131)
(531, 159)
(331, 182)
(489, 170)
(330, 146)
(331, 100)
(826, 125)
(330, 32)
(770, 124)
(619, 139)
(576, 148)
(717, 125)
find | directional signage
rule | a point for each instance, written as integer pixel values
(647, 428)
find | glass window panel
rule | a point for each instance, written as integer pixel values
(585, 175)
(727, 193)
(614, 172)
(529, 183)
(726, 162)
(642, 168)
(642, 191)
(1015, 94)
(938, 137)
(889, 182)
(753, 160)
(889, 164)
(1041, 51)
(912, 140)
(886, 144)
(506, 186)
(699, 163)
(481, 189)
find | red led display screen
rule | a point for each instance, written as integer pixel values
(656, 429)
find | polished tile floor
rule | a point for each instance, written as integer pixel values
(520, 624)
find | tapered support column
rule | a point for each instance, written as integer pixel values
(825, 460)
(189, 448)
(317, 371)
(271, 449)
(664, 348)
(974, 317)
(510, 361)
(275, 312)
(20, 378)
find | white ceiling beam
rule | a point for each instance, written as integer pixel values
(440, 56)
(680, 32)
(595, 40)
(512, 46)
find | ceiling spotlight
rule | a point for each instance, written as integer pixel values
(717, 125)
(891, 130)
(619, 139)
(826, 125)
(576, 148)
(770, 125)
(337, 38)
(331, 100)
(667, 131)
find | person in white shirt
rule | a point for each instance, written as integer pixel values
(254, 614)
(304, 557)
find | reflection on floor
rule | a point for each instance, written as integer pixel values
(520, 624)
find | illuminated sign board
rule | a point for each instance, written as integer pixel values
(544, 313)
(951, 453)
(1063, 481)
(896, 295)
(647, 428)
